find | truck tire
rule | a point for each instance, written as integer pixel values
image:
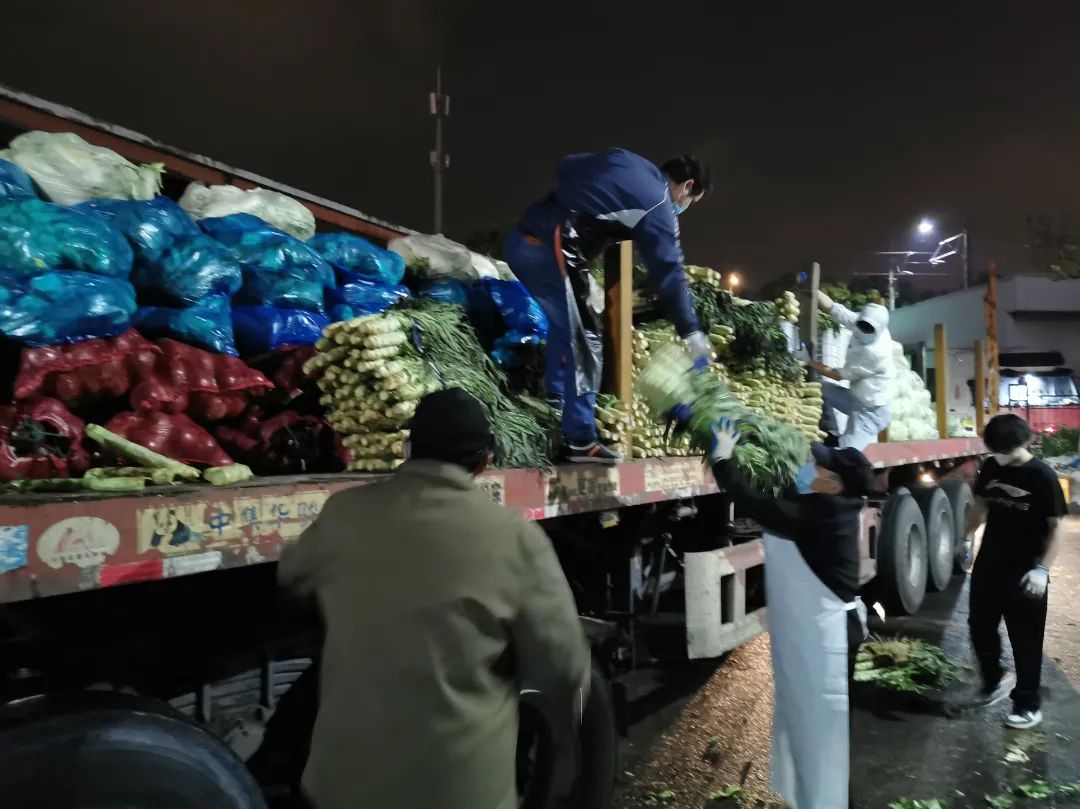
(940, 536)
(108, 754)
(901, 578)
(961, 499)
(599, 747)
(595, 759)
(535, 755)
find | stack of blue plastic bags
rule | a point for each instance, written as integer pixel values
(231, 285)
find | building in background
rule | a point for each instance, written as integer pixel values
(1039, 346)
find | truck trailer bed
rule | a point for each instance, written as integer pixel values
(52, 544)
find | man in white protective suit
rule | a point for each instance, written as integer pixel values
(870, 369)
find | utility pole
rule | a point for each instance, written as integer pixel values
(964, 257)
(440, 160)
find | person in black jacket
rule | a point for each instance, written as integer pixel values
(1019, 499)
(816, 621)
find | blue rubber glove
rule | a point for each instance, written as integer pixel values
(700, 349)
(680, 414)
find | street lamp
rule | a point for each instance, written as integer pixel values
(733, 281)
(925, 227)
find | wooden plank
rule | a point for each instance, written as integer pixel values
(619, 322)
(941, 377)
(808, 310)
(980, 386)
(993, 347)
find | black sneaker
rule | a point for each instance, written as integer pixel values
(594, 453)
(992, 696)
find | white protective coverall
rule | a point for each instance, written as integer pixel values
(870, 369)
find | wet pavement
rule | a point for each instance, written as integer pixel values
(934, 746)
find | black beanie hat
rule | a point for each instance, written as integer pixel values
(855, 471)
(450, 425)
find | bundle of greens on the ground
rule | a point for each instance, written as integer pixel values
(374, 370)
(903, 664)
(769, 453)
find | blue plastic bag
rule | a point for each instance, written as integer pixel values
(446, 292)
(36, 236)
(260, 247)
(358, 256)
(14, 182)
(259, 329)
(207, 324)
(150, 225)
(284, 289)
(176, 264)
(51, 308)
(362, 297)
(188, 270)
(524, 322)
(520, 311)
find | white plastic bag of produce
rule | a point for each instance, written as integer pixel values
(68, 170)
(278, 210)
(436, 258)
(485, 267)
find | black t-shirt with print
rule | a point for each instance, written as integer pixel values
(1020, 499)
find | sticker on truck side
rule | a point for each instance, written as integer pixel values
(673, 476)
(80, 541)
(14, 544)
(189, 527)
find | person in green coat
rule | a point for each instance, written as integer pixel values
(440, 606)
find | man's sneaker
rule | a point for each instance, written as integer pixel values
(1023, 720)
(595, 453)
(992, 696)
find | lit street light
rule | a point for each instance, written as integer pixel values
(925, 227)
(733, 281)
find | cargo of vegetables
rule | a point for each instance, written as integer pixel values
(769, 453)
(373, 371)
(903, 664)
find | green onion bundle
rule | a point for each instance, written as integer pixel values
(903, 664)
(769, 453)
(372, 375)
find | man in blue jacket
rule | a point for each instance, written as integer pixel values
(600, 199)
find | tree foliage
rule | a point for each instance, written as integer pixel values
(1054, 246)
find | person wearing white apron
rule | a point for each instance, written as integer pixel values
(816, 620)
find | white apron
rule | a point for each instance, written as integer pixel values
(809, 646)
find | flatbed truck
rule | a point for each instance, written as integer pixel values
(144, 644)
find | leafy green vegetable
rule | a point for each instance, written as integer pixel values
(1063, 442)
(450, 345)
(910, 803)
(226, 475)
(1038, 790)
(138, 453)
(769, 453)
(903, 664)
(1069, 790)
(728, 792)
(999, 801)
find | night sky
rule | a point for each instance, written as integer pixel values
(830, 131)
